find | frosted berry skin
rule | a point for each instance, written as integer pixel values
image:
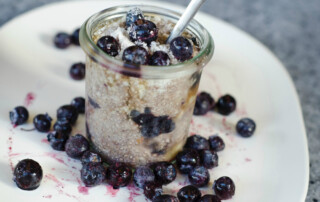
(62, 126)
(152, 190)
(119, 175)
(199, 176)
(90, 157)
(135, 55)
(209, 158)
(246, 127)
(19, 115)
(226, 104)
(67, 113)
(93, 174)
(209, 198)
(224, 188)
(143, 31)
(78, 71)
(133, 15)
(181, 48)
(57, 140)
(76, 146)
(189, 193)
(142, 176)
(75, 37)
(159, 58)
(42, 122)
(187, 159)
(204, 103)
(62, 40)
(165, 172)
(79, 104)
(216, 143)
(197, 142)
(109, 45)
(165, 198)
(27, 174)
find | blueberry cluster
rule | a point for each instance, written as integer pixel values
(140, 31)
(225, 105)
(151, 125)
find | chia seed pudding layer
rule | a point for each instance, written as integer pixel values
(112, 96)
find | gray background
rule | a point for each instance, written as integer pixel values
(290, 28)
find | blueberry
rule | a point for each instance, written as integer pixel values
(189, 193)
(133, 15)
(199, 176)
(204, 103)
(109, 45)
(75, 37)
(159, 58)
(135, 55)
(181, 48)
(226, 104)
(57, 140)
(216, 143)
(42, 122)
(143, 31)
(209, 198)
(209, 158)
(78, 71)
(76, 146)
(79, 104)
(246, 127)
(90, 157)
(142, 176)
(224, 188)
(67, 113)
(63, 126)
(165, 172)
(187, 159)
(165, 198)
(119, 175)
(152, 190)
(19, 115)
(197, 142)
(27, 174)
(62, 40)
(92, 174)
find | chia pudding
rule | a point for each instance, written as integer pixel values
(139, 113)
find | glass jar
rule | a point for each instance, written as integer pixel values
(140, 115)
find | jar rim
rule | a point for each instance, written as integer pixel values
(98, 55)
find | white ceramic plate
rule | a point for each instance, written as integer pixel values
(270, 166)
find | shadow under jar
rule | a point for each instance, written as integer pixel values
(140, 115)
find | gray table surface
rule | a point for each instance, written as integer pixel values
(289, 28)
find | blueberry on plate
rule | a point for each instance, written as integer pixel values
(142, 176)
(79, 103)
(78, 71)
(209, 158)
(75, 37)
(92, 174)
(224, 188)
(90, 157)
(199, 176)
(62, 126)
(165, 172)
(209, 198)
(67, 113)
(246, 127)
(189, 193)
(152, 190)
(119, 175)
(181, 48)
(165, 198)
(197, 142)
(62, 40)
(57, 140)
(42, 122)
(216, 143)
(187, 159)
(19, 115)
(76, 146)
(27, 174)
(226, 104)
